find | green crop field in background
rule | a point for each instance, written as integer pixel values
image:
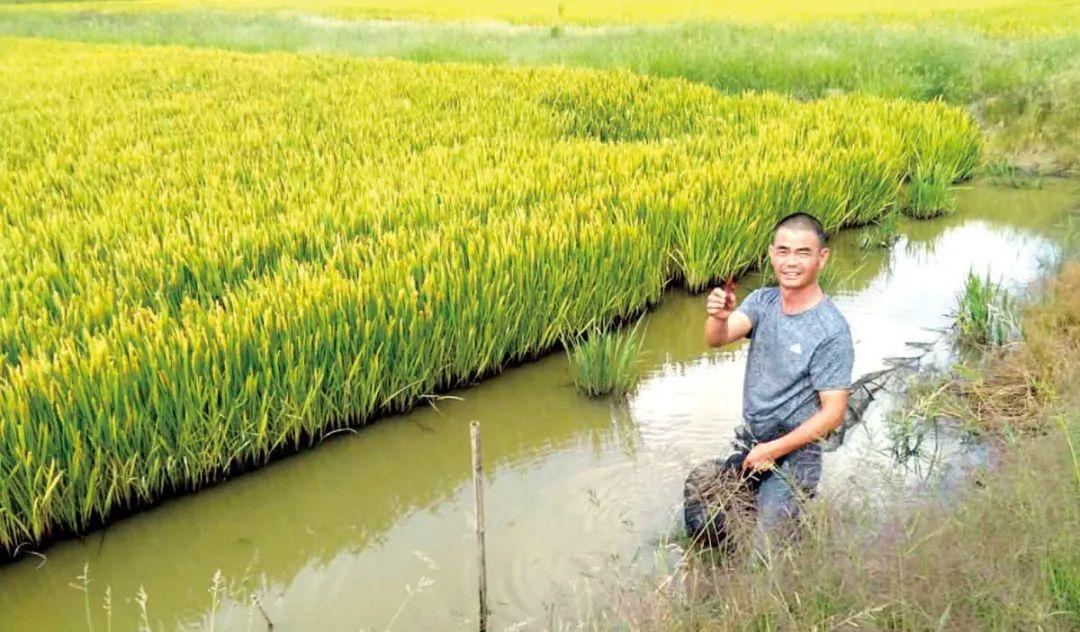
(1014, 65)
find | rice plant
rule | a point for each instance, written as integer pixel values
(606, 362)
(986, 313)
(929, 197)
(211, 258)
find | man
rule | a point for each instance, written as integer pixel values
(798, 371)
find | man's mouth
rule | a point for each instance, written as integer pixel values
(790, 275)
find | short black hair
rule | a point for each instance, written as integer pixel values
(803, 221)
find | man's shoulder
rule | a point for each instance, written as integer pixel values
(831, 319)
(765, 295)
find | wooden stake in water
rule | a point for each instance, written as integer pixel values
(478, 486)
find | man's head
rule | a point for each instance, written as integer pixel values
(798, 251)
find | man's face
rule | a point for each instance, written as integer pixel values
(797, 257)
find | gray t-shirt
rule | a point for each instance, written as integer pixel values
(791, 358)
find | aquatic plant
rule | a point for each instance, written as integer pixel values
(986, 313)
(606, 362)
(882, 234)
(213, 258)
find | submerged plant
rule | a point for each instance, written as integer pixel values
(606, 362)
(986, 313)
(882, 235)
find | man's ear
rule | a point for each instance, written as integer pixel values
(823, 256)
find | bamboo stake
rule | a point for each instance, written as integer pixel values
(478, 485)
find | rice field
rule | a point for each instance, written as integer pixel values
(212, 258)
(991, 16)
(1013, 65)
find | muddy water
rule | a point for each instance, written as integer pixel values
(372, 530)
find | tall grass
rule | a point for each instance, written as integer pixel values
(1003, 76)
(211, 258)
(1009, 175)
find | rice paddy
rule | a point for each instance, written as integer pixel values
(211, 258)
(574, 11)
(1013, 65)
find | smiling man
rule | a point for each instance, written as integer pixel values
(798, 370)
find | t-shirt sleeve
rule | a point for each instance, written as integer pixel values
(751, 306)
(830, 367)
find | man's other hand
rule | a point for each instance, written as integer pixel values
(761, 457)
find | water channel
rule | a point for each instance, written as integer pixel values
(373, 529)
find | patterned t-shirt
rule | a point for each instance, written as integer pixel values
(791, 358)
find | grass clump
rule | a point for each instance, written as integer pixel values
(929, 196)
(606, 363)
(1006, 392)
(986, 313)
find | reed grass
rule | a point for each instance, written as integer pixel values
(212, 258)
(606, 363)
